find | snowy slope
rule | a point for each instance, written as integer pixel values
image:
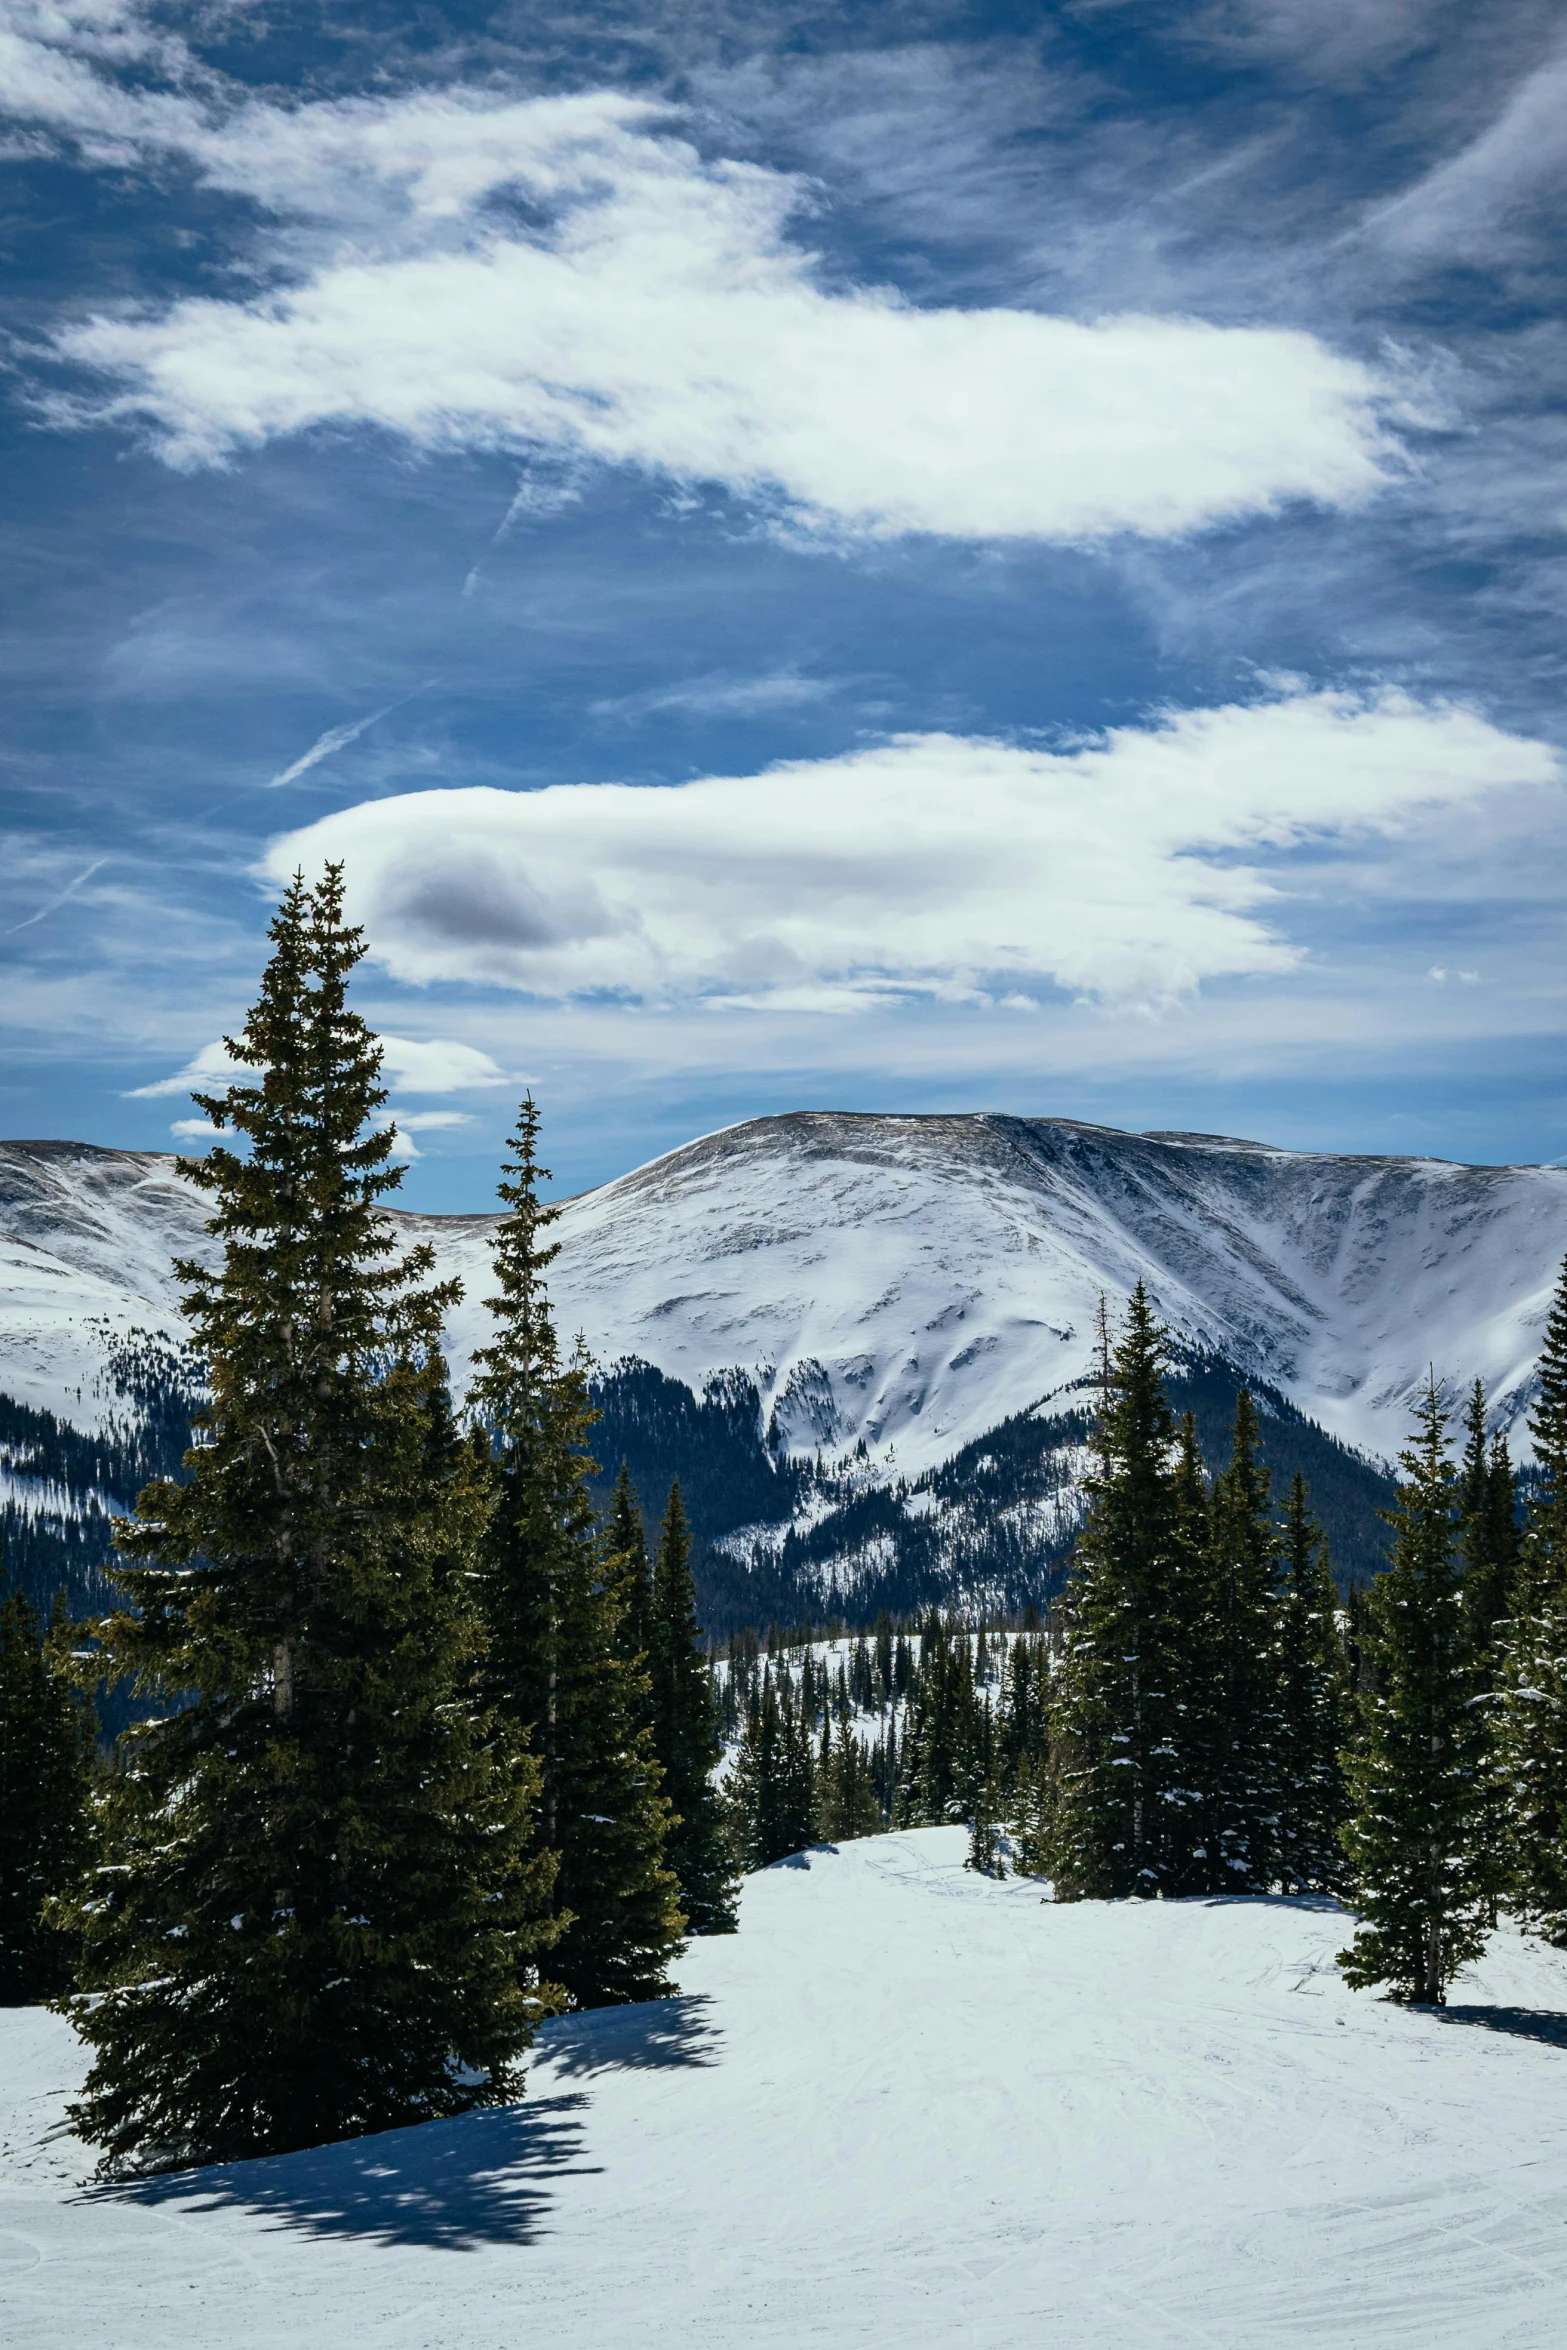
(903, 2105)
(908, 1282)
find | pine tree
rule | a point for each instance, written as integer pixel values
(1314, 1710)
(1421, 1836)
(45, 1792)
(1200, 1731)
(1487, 1534)
(318, 1914)
(554, 1600)
(1532, 1723)
(626, 1542)
(1244, 1794)
(771, 1793)
(846, 1800)
(685, 1730)
(1115, 1724)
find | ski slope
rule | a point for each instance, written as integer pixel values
(902, 2106)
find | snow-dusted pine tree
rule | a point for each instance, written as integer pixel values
(1116, 1726)
(1422, 1836)
(685, 1731)
(1243, 1794)
(45, 1787)
(1532, 1725)
(553, 1599)
(1314, 1709)
(318, 1914)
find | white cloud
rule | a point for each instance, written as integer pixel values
(336, 738)
(655, 309)
(721, 697)
(935, 866)
(436, 1064)
(1480, 200)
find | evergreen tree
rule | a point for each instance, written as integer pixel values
(1116, 1755)
(1487, 1534)
(318, 1914)
(1244, 1791)
(1421, 1835)
(555, 1600)
(45, 1790)
(685, 1729)
(1532, 1724)
(626, 1542)
(771, 1791)
(846, 1800)
(1200, 1734)
(1314, 1710)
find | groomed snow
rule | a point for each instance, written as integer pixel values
(903, 2106)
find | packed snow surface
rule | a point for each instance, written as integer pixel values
(903, 2105)
(906, 1282)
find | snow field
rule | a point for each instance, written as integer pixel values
(903, 2105)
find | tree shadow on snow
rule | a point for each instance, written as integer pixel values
(1522, 2023)
(653, 2033)
(483, 2178)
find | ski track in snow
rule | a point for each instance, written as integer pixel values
(903, 2105)
(906, 1281)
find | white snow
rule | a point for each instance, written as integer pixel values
(906, 1281)
(903, 2105)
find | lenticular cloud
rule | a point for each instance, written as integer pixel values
(934, 866)
(655, 309)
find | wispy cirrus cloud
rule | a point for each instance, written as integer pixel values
(467, 270)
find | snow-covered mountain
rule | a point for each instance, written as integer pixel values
(905, 1282)
(861, 1342)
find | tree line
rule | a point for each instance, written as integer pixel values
(426, 1747)
(1204, 1715)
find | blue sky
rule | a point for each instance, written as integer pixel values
(890, 558)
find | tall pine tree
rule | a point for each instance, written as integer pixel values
(45, 1789)
(1119, 1773)
(555, 1599)
(1421, 1838)
(1487, 1535)
(1532, 1727)
(685, 1729)
(626, 1541)
(318, 1914)
(1314, 1710)
(1244, 1793)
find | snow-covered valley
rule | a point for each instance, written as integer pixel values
(903, 2104)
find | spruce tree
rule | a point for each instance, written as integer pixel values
(626, 1543)
(1200, 1733)
(1421, 1835)
(685, 1730)
(318, 1914)
(1532, 1724)
(1314, 1710)
(846, 1800)
(1116, 1751)
(771, 1791)
(554, 1600)
(1244, 1793)
(45, 1792)
(1487, 1535)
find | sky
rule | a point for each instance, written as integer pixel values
(893, 557)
